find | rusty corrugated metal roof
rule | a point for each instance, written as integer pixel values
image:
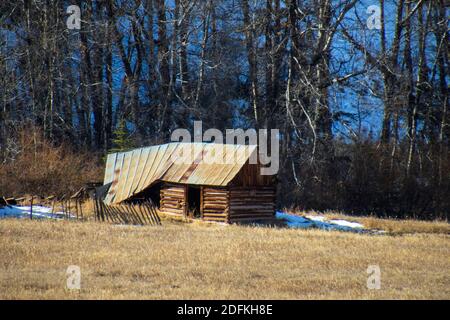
(190, 163)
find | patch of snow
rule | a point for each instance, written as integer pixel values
(316, 218)
(346, 223)
(39, 212)
(320, 222)
(294, 221)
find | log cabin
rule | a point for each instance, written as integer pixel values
(208, 181)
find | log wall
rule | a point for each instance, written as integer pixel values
(173, 199)
(251, 203)
(214, 204)
(222, 204)
(250, 176)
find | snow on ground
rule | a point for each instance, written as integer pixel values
(294, 221)
(39, 212)
(316, 218)
(346, 223)
(320, 222)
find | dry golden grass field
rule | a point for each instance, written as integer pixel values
(200, 261)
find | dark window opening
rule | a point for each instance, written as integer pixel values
(194, 201)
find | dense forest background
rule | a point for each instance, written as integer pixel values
(358, 90)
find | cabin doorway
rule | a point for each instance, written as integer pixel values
(193, 195)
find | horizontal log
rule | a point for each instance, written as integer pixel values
(215, 219)
(265, 214)
(172, 206)
(252, 195)
(216, 202)
(176, 204)
(253, 216)
(173, 198)
(215, 215)
(234, 219)
(205, 211)
(209, 189)
(176, 194)
(172, 201)
(172, 211)
(248, 207)
(171, 195)
(242, 202)
(252, 191)
(215, 198)
(246, 213)
(221, 203)
(178, 190)
(214, 211)
(168, 205)
(251, 203)
(240, 213)
(248, 196)
(215, 205)
(232, 188)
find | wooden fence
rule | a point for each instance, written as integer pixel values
(141, 214)
(64, 207)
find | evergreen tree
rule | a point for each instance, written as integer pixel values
(121, 138)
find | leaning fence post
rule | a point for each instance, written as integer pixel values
(53, 208)
(68, 209)
(63, 209)
(31, 208)
(76, 206)
(102, 211)
(81, 211)
(94, 202)
(95, 207)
